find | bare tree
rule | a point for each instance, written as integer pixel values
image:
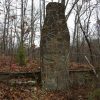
(86, 26)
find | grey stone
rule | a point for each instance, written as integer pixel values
(55, 41)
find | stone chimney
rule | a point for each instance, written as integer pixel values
(55, 42)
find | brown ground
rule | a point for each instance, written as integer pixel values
(8, 92)
(26, 92)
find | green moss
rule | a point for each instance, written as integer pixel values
(95, 95)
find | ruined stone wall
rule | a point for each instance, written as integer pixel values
(83, 78)
(55, 41)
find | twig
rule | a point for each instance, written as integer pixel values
(91, 66)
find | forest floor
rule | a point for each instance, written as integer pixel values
(21, 92)
(8, 64)
(33, 92)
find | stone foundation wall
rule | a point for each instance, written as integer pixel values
(84, 78)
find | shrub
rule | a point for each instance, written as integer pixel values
(21, 56)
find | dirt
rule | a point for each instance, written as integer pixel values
(22, 92)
